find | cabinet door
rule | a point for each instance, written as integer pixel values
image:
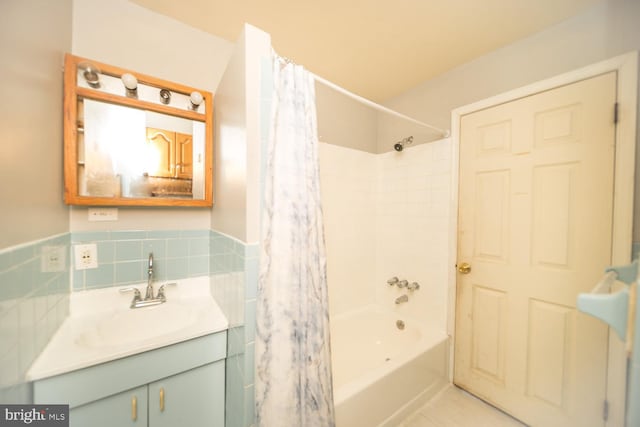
(161, 156)
(184, 156)
(193, 398)
(125, 409)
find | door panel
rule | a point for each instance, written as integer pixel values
(535, 221)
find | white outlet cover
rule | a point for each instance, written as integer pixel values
(53, 259)
(86, 256)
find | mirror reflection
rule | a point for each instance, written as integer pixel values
(128, 152)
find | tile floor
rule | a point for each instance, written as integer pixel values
(454, 407)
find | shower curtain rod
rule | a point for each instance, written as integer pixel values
(445, 133)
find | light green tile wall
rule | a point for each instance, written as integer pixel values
(34, 301)
(234, 278)
(123, 256)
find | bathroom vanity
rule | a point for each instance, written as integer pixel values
(156, 366)
(181, 384)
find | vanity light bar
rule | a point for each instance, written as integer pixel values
(89, 76)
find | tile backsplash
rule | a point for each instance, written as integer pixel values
(123, 256)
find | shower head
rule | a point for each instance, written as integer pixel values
(399, 146)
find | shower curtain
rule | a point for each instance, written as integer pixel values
(293, 356)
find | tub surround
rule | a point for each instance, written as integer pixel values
(390, 211)
(102, 327)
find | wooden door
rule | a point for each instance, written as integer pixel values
(184, 156)
(162, 149)
(535, 226)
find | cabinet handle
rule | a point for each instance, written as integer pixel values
(134, 408)
(162, 399)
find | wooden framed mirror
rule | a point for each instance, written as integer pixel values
(134, 140)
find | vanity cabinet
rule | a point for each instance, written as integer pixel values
(179, 385)
(174, 151)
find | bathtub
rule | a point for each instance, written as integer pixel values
(381, 374)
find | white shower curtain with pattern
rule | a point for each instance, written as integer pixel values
(293, 356)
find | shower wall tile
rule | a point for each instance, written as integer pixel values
(34, 301)
(391, 211)
(413, 204)
(348, 182)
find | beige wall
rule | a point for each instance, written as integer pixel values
(238, 132)
(603, 31)
(34, 34)
(122, 33)
(345, 122)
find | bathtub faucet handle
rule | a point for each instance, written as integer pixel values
(403, 284)
(413, 286)
(392, 281)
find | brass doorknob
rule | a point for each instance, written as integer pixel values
(464, 268)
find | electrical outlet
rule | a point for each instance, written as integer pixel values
(86, 256)
(52, 259)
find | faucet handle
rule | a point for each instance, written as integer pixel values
(413, 286)
(136, 295)
(392, 281)
(403, 284)
(136, 292)
(161, 289)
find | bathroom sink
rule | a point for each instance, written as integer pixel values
(101, 326)
(136, 325)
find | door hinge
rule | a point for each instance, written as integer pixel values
(615, 113)
(605, 410)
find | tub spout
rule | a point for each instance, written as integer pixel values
(401, 299)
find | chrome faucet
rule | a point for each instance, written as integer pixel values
(149, 299)
(149, 293)
(401, 299)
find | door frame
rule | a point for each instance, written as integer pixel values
(626, 66)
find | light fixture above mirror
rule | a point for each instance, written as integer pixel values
(135, 140)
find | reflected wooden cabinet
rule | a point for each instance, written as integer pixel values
(174, 151)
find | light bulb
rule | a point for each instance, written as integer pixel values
(196, 99)
(129, 81)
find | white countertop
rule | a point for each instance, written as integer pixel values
(101, 326)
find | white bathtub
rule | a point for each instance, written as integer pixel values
(381, 374)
